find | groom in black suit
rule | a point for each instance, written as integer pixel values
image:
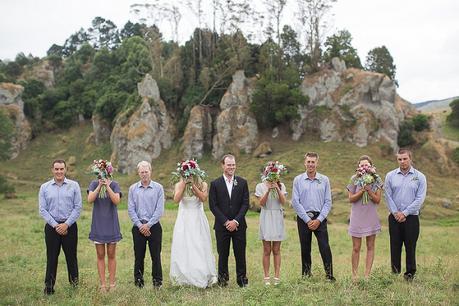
(229, 202)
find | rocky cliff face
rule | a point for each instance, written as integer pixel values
(143, 134)
(351, 105)
(236, 128)
(12, 104)
(198, 133)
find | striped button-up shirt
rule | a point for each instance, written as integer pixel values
(405, 192)
(145, 203)
(311, 195)
(60, 203)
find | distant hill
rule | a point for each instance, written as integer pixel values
(433, 105)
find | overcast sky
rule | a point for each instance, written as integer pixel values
(422, 36)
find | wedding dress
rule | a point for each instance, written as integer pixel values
(192, 259)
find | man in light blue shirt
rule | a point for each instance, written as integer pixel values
(405, 191)
(60, 206)
(311, 199)
(145, 208)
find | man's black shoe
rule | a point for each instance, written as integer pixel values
(48, 291)
(408, 277)
(331, 278)
(139, 283)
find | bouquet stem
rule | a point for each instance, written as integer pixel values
(365, 198)
(103, 192)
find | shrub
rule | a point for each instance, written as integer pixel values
(453, 118)
(6, 134)
(456, 155)
(5, 188)
(421, 122)
(405, 135)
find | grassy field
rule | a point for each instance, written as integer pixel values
(22, 255)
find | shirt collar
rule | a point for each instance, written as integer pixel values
(399, 171)
(317, 177)
(139, 184)
(66, 181)
(226, 179)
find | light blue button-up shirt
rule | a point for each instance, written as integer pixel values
(145, 203)
(311, 195)
(60, 203)
(405, 192)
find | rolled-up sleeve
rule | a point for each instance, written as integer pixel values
(43, 207)
(296, 202)
(327, 202)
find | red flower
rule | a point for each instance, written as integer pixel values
(185, 167)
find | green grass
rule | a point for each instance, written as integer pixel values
(22, 253)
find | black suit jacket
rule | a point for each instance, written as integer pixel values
(223, 207)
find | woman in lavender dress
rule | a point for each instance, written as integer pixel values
(105, 227)
(364, 220)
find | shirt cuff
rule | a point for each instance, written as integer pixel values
(236, 222)
(405, 212)
(320, 218)
(138, 224)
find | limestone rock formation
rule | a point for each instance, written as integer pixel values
(198, 133)
(143, 134)
(11, 102)
(102, 129)
(351, 105)
(236, 128)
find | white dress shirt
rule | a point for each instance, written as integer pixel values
(229, 184)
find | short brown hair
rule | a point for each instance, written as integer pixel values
(405, 151)
(58, 161)
(311, 154)
(366, 157)
(230, 156)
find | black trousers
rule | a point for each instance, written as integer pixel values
(223, 248)
(54, 242)
(321, 234)
(406, 233)
(140, 246)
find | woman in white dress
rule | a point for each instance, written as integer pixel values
(271, 197)
(192, 259)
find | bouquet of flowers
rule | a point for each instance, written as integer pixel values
(272, 173)
(366, 175)
(189, 171)
(104, 170)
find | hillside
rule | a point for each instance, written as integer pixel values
(337, 160)
(434, 105)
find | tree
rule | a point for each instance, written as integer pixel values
(312, 17)
(340, 45)
(74, 42)
(453, 118)
(103, 34)
(274, 10)
(6, 188)
(55, 50)
(6, 135)
(131, 29)
(380, 60)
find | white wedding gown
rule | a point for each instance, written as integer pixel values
(192, 259)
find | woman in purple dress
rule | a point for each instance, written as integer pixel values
(105, 226)
(364, 220)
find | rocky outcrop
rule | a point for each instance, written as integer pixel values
(351, 105)
(42, 71)
(11, 102)
(141, 135)
(198, 133)
(102, 129)
(236, 128)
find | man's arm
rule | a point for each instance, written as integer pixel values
(77, 205)
(131, 208)
(327, 202)
(213, 205)
(299, 209)
(43, 208)
(415, 206)
(388, 194)
(244, 205)
(159, 209)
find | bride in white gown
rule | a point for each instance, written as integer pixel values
(192, 259)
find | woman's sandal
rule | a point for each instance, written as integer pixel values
(267, 280)
(276, 281)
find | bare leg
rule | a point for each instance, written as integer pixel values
(370, 254)
(111, 253)
(277, 258)
(356, 243)
(266, 256)
(100, 250)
